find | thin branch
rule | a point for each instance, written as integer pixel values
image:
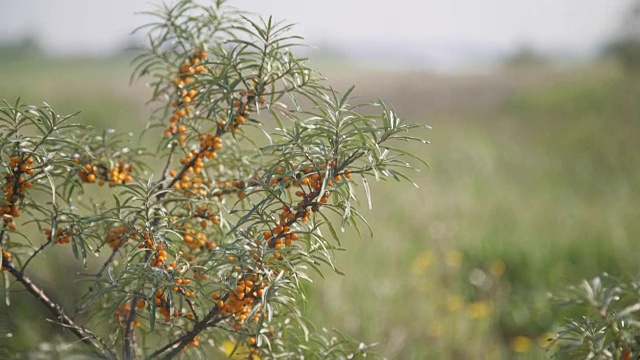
(173, 348)
(165, 171)
(86, 336)
(129, 340)
(128, 333)
(101, 271)
(24, 267)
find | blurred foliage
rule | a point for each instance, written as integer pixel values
(26, 48)
(626, 51)
(524, 55)
(625, 47)
(605, 323)
(544, 182)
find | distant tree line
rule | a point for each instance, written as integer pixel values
(625, 47)
(25, 47)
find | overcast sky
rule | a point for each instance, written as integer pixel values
(102, 26)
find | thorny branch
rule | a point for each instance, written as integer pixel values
(86, 336)
(173, 348)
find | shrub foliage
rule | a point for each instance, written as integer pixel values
(204, 239)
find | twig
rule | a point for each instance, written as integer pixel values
(173, 348)
(165, 171)
(104, 266)
(99, 274)
(86, 336)
(24, 267)
(128, 333)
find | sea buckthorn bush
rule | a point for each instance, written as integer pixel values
(603, 321)
(200, 244)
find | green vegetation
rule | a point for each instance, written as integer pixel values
(529, 190)
(196, 238)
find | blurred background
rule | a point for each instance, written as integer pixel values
(534, 181)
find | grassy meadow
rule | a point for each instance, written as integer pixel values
(534, 184)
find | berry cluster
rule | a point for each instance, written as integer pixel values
(205, 215)
(122, 313)
(239, 303)
(119, 236)
(191, 180)
(310, 184)
(15, 185)
(224, 187)
(190, 177)
(90, 173)
(182, 287)
(159, 258)
(62, 236)
(195, 239)
(186, 93)
(210, 143)
(193, 183)
(162, 299)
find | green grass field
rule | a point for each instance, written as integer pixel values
(534, 184)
